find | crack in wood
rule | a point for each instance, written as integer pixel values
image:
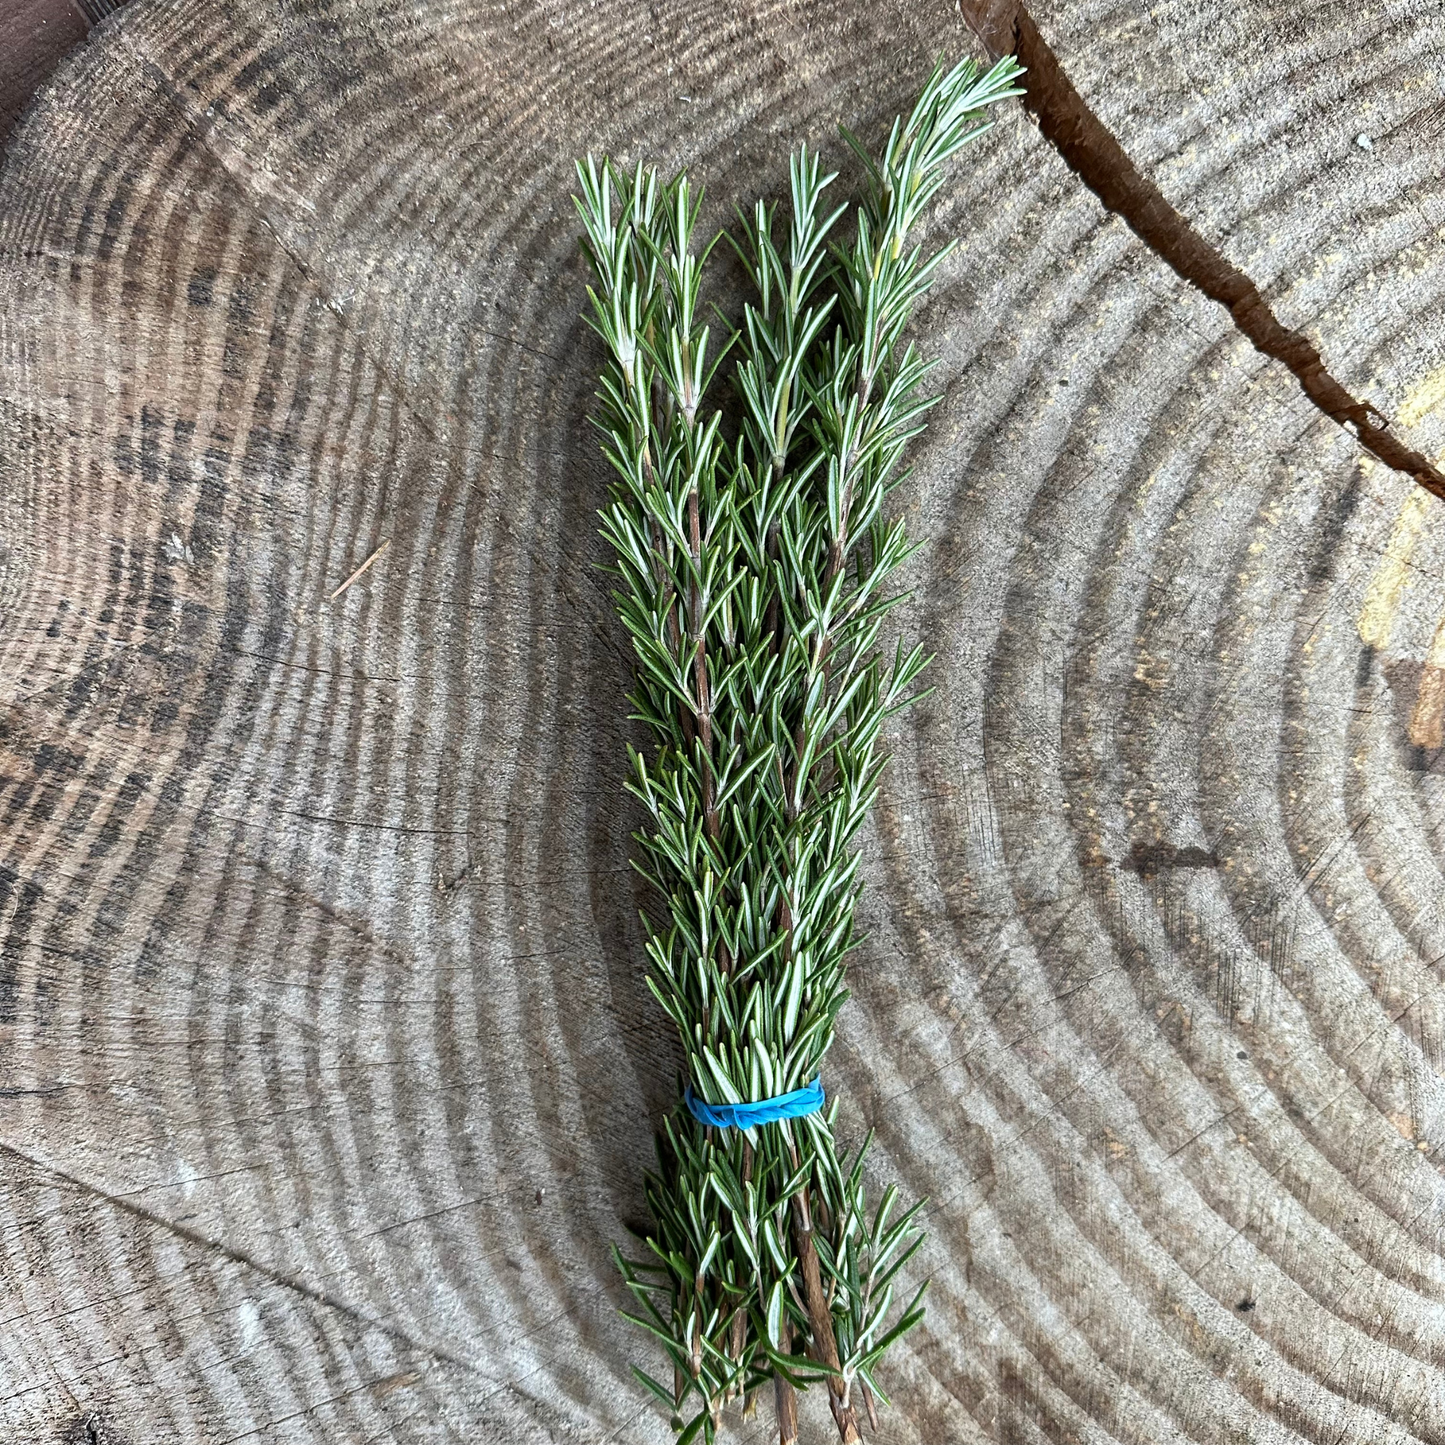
(1092, 153)
(241, 1258)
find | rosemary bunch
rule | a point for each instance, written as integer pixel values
(753, 576)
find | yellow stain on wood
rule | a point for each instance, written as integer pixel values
(1377, 614)
(1404, 1124)
(1427, 721)
(399, 1381)
(1422, 398)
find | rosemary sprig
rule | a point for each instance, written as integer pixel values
(753, 579)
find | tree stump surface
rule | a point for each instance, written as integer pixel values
(328, 1072)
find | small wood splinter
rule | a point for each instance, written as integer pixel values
(360, 570)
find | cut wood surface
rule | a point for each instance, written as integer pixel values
(328, 1072)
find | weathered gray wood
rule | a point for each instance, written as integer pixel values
(328, 1073)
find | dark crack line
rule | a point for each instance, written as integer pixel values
(1092, 153)
(245, 1261)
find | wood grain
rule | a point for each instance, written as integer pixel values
(328, 1074)
(34, 34)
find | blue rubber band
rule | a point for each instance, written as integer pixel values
(766, 1111)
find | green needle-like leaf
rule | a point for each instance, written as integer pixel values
(753, 573)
